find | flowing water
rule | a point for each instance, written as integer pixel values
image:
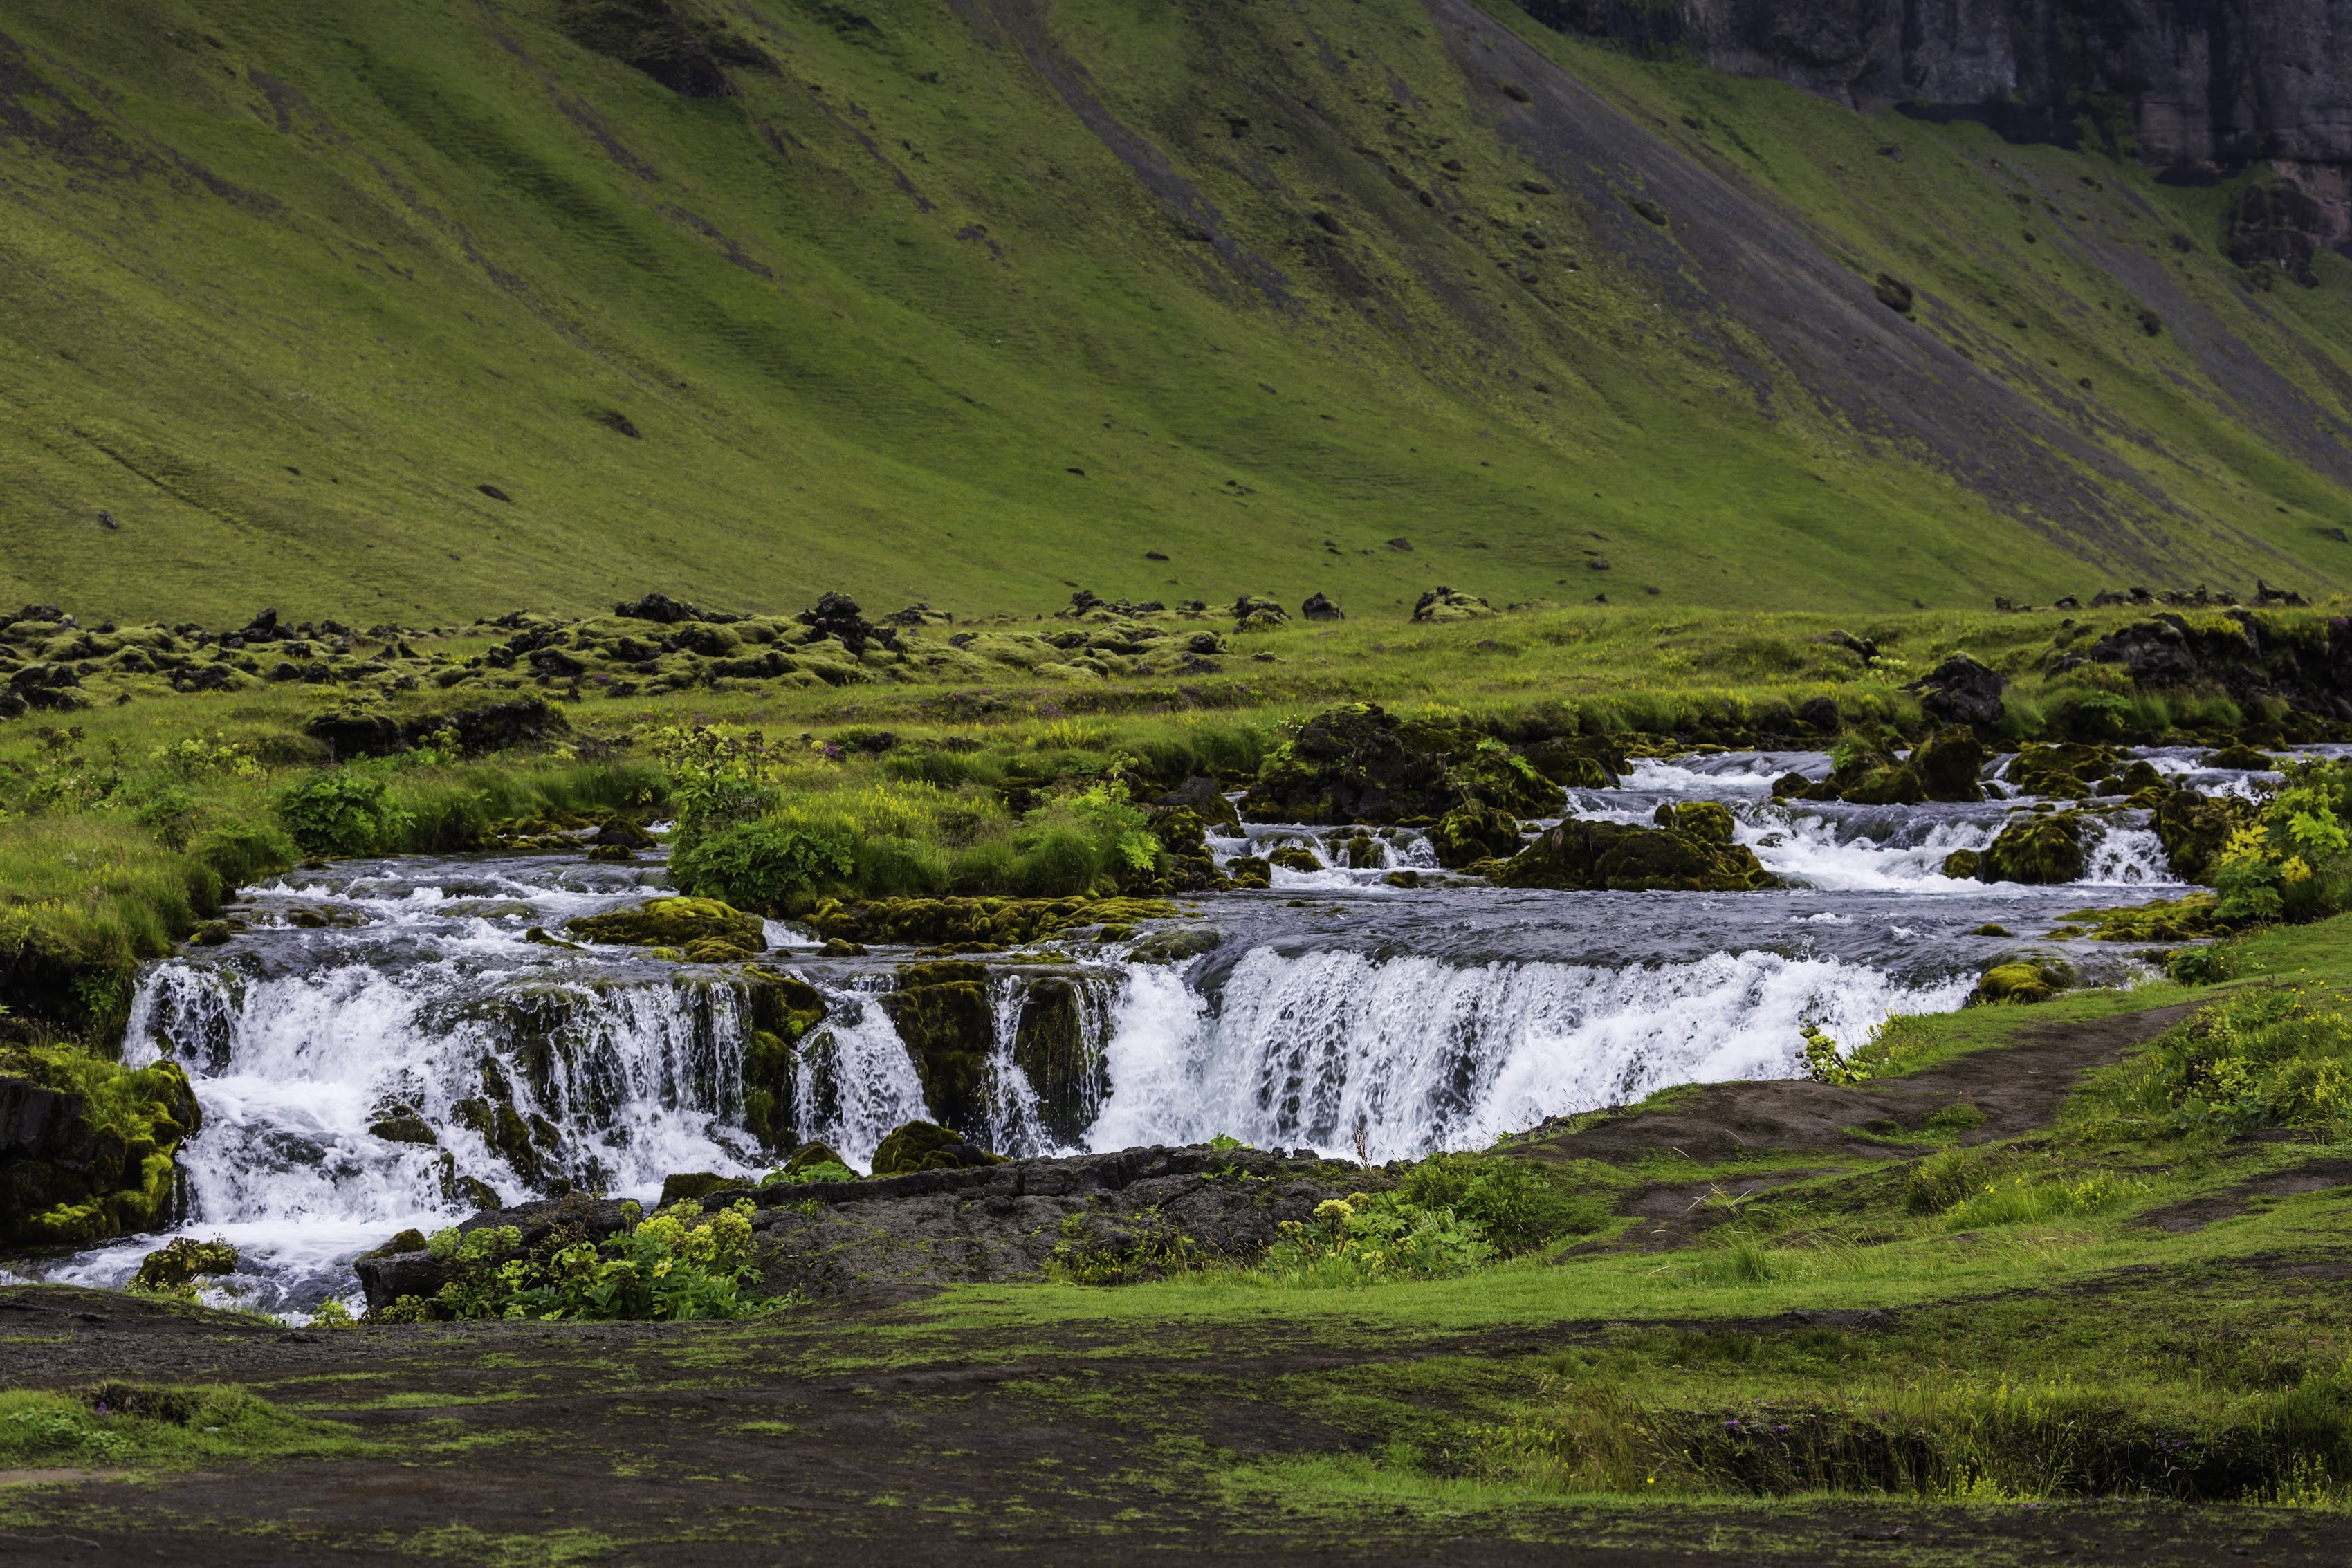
(387, 1045)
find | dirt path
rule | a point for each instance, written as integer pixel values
(2018, 1087)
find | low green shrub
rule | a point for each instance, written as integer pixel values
(775, 864)
(677, 1264)
(2295, 863)
(2268, 1056)
(345, 811)
(1103, 1250)
(1366, 1238)
(910, 841)
(1517, 1205)
(243, 853)
(821, 1171)
(2028, 1200)
(125, 1424)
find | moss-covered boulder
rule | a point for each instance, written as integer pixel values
(1894, 785)
(619, 832)
(810, 1156)
(173, 1265)
(2195, 828)
(1595, 855)
(1492, 774)
(718, 950)
(677, 922)
(1961, 866)
(1061, 1055)
(1473, 832)
(1578, 762)
(975, 924)
(2190, 918)
(409, 1241)
(946, 1017)
(87, 1145)
(1295, 857)
(1709, 821)
(783, 1010)
(1191, 868)
(1360, 764)
(686, 1185)
(2239, 757)
(2040, 847)
(2062, 771)
(1443, 604)
(2022, 980)
(1961, 691)
(927, 1146)
(1948, 763)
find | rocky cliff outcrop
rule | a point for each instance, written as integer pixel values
(86, 1145)
(2199, 87)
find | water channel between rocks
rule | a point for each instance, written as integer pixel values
(383, 1047)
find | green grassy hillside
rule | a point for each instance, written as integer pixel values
(971, 303)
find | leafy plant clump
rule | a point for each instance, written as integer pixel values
(173, 1268)
(344, 812)
(1451, 1214)
(2269, 1056)
(1100, 1249)
(2295, 863)
(674, 1265)
(1366, 1238)
(1824, 1063)
(759, 828)
(802, 1176)
(1517, 1206)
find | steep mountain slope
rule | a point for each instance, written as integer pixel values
(482, 302)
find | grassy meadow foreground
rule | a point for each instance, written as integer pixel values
(2000, 1284)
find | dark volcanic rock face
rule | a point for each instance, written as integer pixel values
(2204, 85)
(981, 1224)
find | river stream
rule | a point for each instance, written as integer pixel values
(342, 1043)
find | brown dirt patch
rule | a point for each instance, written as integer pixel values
(2018, 1087)
(2197, 1213)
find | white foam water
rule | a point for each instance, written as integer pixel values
(857, 1080)
(616, 1085)
(1426, 1056)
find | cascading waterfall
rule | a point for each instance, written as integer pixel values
(856, 1080)
(1010, 1100)
(1424, 1056)
(390, 1044)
